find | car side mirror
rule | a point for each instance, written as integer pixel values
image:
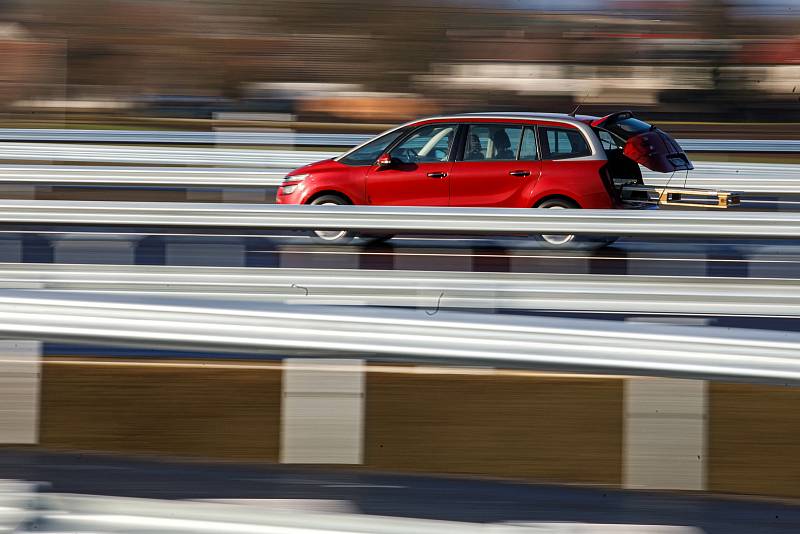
(385, 161)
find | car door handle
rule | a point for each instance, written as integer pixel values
(520, 173)
(437, 174)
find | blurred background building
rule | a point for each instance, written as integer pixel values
(168, 62)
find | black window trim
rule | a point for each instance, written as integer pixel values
(457, 154)
(535, 129)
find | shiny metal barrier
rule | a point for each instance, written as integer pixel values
(684, 295)
(761, 178)
(57, 512)
(539, 343)
(45, 135)
(435, 220)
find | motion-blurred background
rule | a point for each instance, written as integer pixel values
(356, 435)
(126, 62)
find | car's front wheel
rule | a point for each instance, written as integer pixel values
(330, 236)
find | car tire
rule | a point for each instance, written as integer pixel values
(555, 241)
(569, 242)
(330, 236)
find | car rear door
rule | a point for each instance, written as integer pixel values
(495, 164)
(571, 167)
(419, 174)
(645, 144)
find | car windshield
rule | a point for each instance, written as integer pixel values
(369, 153)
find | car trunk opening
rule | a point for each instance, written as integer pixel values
(645, 144)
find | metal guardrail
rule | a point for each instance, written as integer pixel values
(17, 504)
(181, 137)
(60, 175)
(429, 289)
(408, 219)
(59, 512)
(315, 139)
(509, 341)
(74, 513)
(154, 155)
(762, 178)
(740, 145)
(748, 177)
(161, 155)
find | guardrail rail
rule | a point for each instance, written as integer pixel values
(683, 295)
(509, 341)
(53, 135)
(402, 219)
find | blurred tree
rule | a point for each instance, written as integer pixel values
(399, 38)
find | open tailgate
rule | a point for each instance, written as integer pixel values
(645, 144)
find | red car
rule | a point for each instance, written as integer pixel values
(514, 160)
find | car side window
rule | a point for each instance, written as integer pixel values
(497, 142)
(608, 141)
(529, 151)
(369, 153)
(428, 144)
(563, 143)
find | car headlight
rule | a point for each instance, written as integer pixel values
(290, 183)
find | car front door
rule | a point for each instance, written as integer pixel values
(419, 173)
(497, 164)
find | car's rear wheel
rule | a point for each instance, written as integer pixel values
(330, 236)
(557, 240)
(569, 241)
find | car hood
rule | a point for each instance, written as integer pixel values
(324, 165)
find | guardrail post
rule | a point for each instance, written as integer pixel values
(203, 194)
(21, 191)
(248, 196)
(456, 261)
(188, 250)
(261, 253)
(730, 262)
(151, 250)
(322, 411)
(35, 249)
(104, 250)
(665, 434)
(11, 249)
(299, 257)
(20, 372)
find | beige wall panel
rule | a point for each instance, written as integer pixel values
(191, 412)
(754, 439)
(550, 429)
